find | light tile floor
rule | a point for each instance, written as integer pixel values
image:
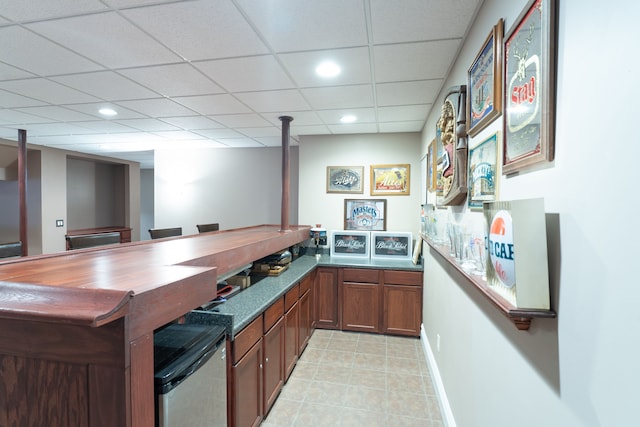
(358, 379)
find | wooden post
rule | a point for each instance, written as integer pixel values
(22, 188)
(284, 210)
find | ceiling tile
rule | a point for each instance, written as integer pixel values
(410, 126)
(47, 91)
(393, 24)
(195, 29)
(354, 128)
(159, 107)
(310, 130)
(119, 44)
(179, 135)
(92, 109)
(218, 133)
(403, 113)
(354, 63)
(363, 115)
(240, 143)
(148, 125)
(57, 113)
(291, 25)
(213, 104)
(7, 72)
(12, 100)
(339, 97)
(17, 47)
(419, 92)
(103, 126)
(34, 10)
(19, 118)
(241, 120)
(106, 85)
(300, 118)
(247, 74)
(133, 3)
(263, 102)
(52, 129)
(192, 122)
(420, 61)
(173, 80)
(261, 132)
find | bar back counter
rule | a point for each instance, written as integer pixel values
(76, 328)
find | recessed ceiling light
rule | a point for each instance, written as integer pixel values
(107, 112)
(328, 69)
(349, 118)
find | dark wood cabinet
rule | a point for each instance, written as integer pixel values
(327, 301)
(402, 302)
(361, 307)
(292, 325)
(369, 300)
(305, 302)
(246, 390)
(247, 381)
(273, 367)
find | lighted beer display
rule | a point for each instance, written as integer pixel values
(516, 241)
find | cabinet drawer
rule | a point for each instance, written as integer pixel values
(247, 338)
(362, 275)
(291, 297)
(397, 277)
(305, 284)
(273, 313)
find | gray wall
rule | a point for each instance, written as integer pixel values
(236, 187)
(579, 369)
(95, 194)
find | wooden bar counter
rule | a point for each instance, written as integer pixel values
(76, 328)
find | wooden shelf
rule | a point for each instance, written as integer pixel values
(521, 317)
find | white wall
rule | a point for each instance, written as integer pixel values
(579, 369)
(237, 187)
(317, 152)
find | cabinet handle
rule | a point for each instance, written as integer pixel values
(261, 366)
(266, 360)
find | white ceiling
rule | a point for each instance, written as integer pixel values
(219, 73)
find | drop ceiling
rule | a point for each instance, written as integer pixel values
(219, 73)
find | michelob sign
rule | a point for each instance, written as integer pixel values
(516, 242)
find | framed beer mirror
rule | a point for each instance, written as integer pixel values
(451, 141)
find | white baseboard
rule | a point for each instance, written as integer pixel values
(445, 409)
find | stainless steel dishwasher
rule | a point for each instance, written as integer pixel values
(190, 376)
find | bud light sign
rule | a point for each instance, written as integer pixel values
(501, 248)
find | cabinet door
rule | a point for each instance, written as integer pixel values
(361, 307)
(292, 324)
(402, 310)
(247, 388)
(273, 366)
(304, 332)
(327, 298)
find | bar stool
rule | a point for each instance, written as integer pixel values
(90, 240)
(10, 250)
(159, 233)
(203, 228)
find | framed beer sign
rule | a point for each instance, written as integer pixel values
(391, 245)
(350, 243)
(529, 95)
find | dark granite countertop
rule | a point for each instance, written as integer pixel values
(244, 307)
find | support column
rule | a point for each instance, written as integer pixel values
(22, 188)
(284, 209)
